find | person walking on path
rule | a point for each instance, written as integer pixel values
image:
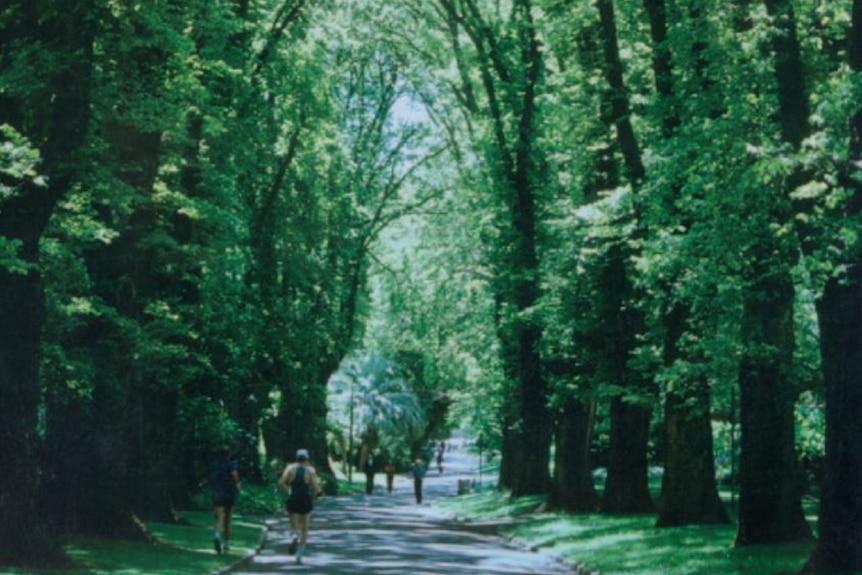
(389, 469)
(299, 481)
(418, 471)
(224, 488)
(369, 466)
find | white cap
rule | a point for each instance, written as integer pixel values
(302, 454)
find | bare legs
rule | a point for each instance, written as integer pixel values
(223, 526)
(228, 524)
(299, 525)
(218, 512)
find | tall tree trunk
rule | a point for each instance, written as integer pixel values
(689, 494)
(517, 74)
(508, 453)
(839, 547)
(839, 313)
(55, 120)
(627, 486)
(316, 429)
(770, 508)
(157, 464)
(770, 481)
(21, 529)
(689, 490)
(573, 489)
(533, 476)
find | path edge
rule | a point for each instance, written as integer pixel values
(492, 529)
(241, 561)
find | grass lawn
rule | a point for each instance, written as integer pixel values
(184, 550)
(631, 545)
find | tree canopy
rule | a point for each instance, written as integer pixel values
(598, 234)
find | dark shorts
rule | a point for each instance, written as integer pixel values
(223, 499)
(301, 505)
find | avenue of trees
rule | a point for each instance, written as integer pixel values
(592, 231)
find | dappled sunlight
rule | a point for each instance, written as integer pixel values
(634, 546)
(391, 535)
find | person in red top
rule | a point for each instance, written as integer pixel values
(300, 482)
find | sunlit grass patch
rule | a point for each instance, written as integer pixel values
(491, 505)
(183, 550)
(634, 546)
(631, 545)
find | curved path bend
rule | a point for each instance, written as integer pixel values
(388, 534)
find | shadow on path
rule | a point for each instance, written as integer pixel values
(389, 534)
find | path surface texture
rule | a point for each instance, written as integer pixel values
(390, 534)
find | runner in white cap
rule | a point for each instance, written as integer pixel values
(299, 481)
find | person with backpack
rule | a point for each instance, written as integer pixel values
(224, 485)
(300, 482)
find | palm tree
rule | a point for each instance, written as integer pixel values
(372, 399)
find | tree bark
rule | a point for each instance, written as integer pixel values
(508, 454)
(533, 476)
(627, 489)
(770, 507)
(573, 489)
(55, 120)
(689, 494)
(839, 313)
(770, 482)
(627, 486)
(689, 490)
(839, 547)
(618, 95)
(511, 83)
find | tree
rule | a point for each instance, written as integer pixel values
(373, 400)
(52, 113)
(511, 83)
(839, 547)
(689, 490)
(626, 490)
(770, 482)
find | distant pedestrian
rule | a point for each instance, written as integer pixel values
(299, 481)
(389, 469)
(418, 471)
(224, 487)
(440, 449)
(369, 466)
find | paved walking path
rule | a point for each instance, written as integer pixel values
(389, 534)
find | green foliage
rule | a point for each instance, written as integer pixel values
(811, 436)
(19, 160)
(373, 395)
(256, 199)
